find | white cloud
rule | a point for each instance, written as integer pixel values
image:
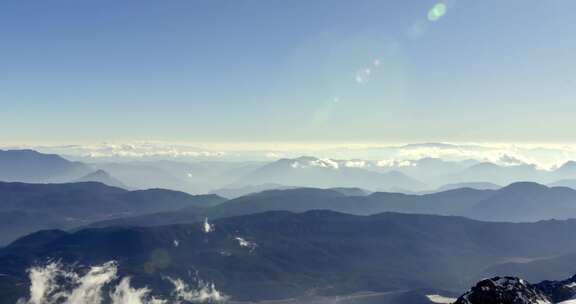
(320, 163)
(207, 227)
(394, 163)
(205, 293)
(53, 283)
(273, 155)
(356, 164)
(510, 160)
(543, 155)
(124, 293)
(136, 150)
(245, 243)
(89, 289)
(324, 163)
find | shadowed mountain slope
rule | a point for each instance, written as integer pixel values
(278, 255)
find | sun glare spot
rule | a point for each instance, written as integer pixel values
(437, 12)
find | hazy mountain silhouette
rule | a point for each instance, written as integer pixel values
(142, 175)
(319, 173)
(43, 206)
(191, 177)
(502, 175)
(519, 202)
(526, 201)
(432, 171)
(103, 177)
(570, 183)
(567, 170)
(231, 193)
(241, 178)
(477, 185)
(295, 200)
(34, 167)
(304, 199)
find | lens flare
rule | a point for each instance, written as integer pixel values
(437, 12)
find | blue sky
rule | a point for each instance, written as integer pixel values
(271, 70)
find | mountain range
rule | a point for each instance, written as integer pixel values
(236, 179)
(307, 229)
(26, 208)
(326, 173)
(280, 255)
(518, 202)
(191, 177)
(33, 167)
(62, 206)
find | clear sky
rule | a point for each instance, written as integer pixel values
(287, 70)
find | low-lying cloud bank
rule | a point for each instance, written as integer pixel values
(542, 155)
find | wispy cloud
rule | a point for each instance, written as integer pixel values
(55, 283)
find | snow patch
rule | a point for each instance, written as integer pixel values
(440, 299)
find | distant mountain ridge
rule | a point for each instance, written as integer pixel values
(71, 205)
(232, 193)
(34, 167)
(410, 176)
(568, 168)
(240, 178)
(518, 202)
(309, 171)
(570, 183)
(476, 185)
(527, 201)
(191, 177)
(103, 177)
(48, 206)
(304, 199)
(543, 203)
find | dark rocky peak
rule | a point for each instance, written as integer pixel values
(504, 290)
